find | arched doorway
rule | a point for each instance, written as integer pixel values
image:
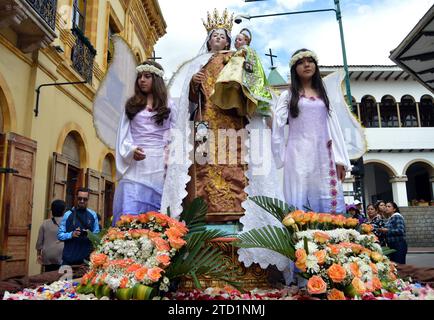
(376, 182)
(72, 150)
(419, 188)
(369, 112)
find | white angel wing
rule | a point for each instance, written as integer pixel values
(352, 130)
(113, 92)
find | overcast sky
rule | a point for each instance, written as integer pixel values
(372, 28)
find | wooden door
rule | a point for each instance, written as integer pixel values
(59, 177)
(94, 184)
(17, 204)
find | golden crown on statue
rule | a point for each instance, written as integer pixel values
(215, 21)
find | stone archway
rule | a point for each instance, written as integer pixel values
(419, 184)
(377, 181)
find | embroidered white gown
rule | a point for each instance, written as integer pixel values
(314, 146)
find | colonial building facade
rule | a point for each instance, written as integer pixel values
(48, 145)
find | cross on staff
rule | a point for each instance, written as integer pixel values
(154, 57)
(271, 55)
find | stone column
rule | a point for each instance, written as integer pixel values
(399, 190)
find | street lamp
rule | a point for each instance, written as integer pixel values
(238, 19)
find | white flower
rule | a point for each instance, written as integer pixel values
(312, 263)
(312, 247)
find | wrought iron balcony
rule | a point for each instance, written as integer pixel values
(83, 55)
(46, 9)
(34, 22)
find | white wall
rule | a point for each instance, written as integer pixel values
(400, 138)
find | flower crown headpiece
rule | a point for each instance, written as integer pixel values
(151, 69)
(301, 55)
(215, 21)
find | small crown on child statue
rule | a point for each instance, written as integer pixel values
(215, 21)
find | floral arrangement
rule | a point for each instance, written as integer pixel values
(337, 260)
(149, 253)
(132, 257)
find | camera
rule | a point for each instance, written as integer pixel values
(83, 233)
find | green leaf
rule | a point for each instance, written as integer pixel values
(387, 251)
(275, 207)
(268, 237)
(194, 214)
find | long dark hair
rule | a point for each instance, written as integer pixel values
(137, 103)
(296, 87)
(228, 39)
(394, 205)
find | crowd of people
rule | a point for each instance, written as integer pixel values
(388, 224)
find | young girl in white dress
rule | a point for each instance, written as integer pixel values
(314, 156)
(142, 143)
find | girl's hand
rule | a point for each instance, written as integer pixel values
(340, 172)
(139, 154)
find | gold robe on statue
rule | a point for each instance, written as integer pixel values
(220, 185)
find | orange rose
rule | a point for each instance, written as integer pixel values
(301, 265)
(153, 234)
(98, 259)
(173, 233)
(314, 217)
(298, 215)
(334, 248)
(143, 218)
(161, 244)
(316, 285)
(336, 294)
(337, 273)
(141, 273)
(373, 267)
(154, 273)
(124, 282)
(133, 268)
(320, 255)
(300, 255)
(321, 237)
(359, 286)
(179, 225)
(367, 228)
(288, 221)
(355, 270)
(356, 248)
(376, 256)
(325, 218)
(177, 243)
(163, 259)
(376, 283)
(351, 222)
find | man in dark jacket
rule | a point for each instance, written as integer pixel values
(73, 230)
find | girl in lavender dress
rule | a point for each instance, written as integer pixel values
(142, 143)
(314, 156)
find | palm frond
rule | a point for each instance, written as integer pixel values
(194, 214)
(275, 207)
(268, 237)
(195, 238)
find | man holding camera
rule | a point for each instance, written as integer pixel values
(74, 228)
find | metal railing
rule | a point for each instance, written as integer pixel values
(83, 55)
(46, 10)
